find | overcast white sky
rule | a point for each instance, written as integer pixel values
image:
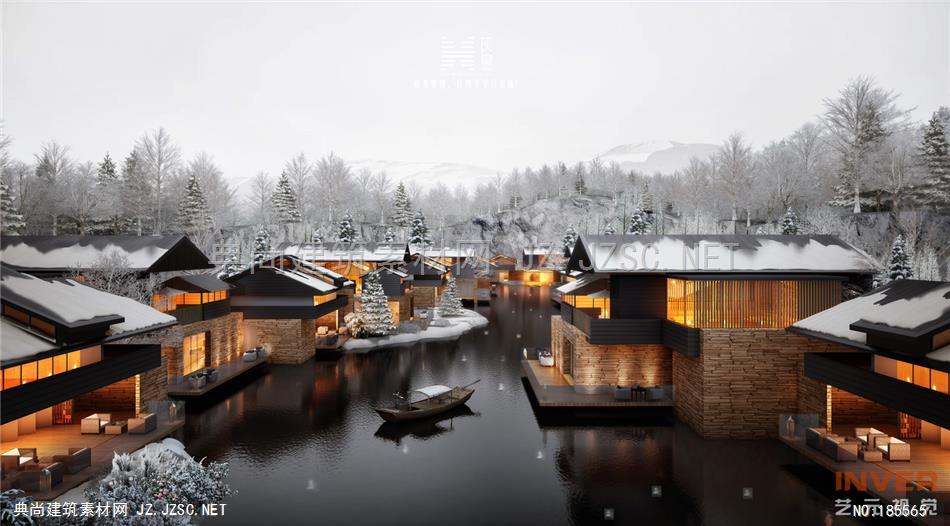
(254, 83)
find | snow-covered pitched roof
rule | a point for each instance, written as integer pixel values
(313, 282)
(903, 304)
(340, 252)
(539, 251)
(197, 282)
(719, 253)
(583, 285)
(17, 343)
(69, 303)
(83, 252)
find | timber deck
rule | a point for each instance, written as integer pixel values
(552, 390)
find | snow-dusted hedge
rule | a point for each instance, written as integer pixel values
(159, 474)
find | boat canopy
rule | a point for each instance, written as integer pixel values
(433, 390)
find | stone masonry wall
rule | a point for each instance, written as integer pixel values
(848, 408)
(287, 341)
(425, 297)
(609, 365)
(152, 385)
(744, 379)
(225, 338)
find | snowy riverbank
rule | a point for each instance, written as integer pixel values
(458, 325)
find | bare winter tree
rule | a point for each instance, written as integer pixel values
(809, 148)
(735, 170)
(80, 196)
(160, 158)
(53, 168)
(260, 199)
(858, 120)
(219, 194)
(335, 181)
(895, 167)
(300, 172)
(110, 273)
(382, 189)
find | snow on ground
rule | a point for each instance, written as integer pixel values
(459, 326)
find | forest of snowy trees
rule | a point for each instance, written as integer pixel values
(862, 155)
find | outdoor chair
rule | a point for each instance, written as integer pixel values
(56, 471)
(142, 424)
(839, 448)
(94, 423)
(75, 460)
(894, 449)
(36, 480)
(16, 458)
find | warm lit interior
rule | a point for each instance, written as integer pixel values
(598, 304)
(193, 353)
(538, 277)
(170, 302)
(319, 300)
(747, 303)
(37, 370)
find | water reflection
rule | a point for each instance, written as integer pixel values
(306, 447)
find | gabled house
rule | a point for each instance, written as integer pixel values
(285, 300)
(351, 260)
(69, 350)
(428, 280)
(473, 282)
(47, 256)
(695, 313)
(209, 334)
(891, 366)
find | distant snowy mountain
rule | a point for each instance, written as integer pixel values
(427, 174)
(656, 156)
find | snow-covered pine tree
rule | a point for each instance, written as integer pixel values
(11, 222)
(419, 230)
(284, 200)
(193, 213)
(378, 319)
(230, 267)
(346, 233)
(261, 244)
(402, 207)
(935, 153)
(109, 190)
(609, 229)
(898, 266)
(390, 235)
(450, 304)
(568, 240)
(580, 186)
(639, 222)
(646, 198)
(316, 236)
(790, 223)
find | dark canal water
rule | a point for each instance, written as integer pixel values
(305, 448)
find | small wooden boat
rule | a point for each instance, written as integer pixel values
(436, 399)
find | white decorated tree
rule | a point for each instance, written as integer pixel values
(377, 318)
(899, 266)
(568, 240)
(609, 229)
(316, 236)
(11, 222)
(346, 232)
(790, 223)
(284, 201)
(639, 222)
(390, 235)
(193, 213)
(261, 244)
(450, 304)
(402, 207)
(419, 230)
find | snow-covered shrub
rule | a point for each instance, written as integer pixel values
(157, 475)
(8, 501)
(356, 324)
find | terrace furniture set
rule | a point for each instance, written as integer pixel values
(868, 444)
(254, 354)
(98, 423)
(326, 337)
(202, 378)
(21, 469)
